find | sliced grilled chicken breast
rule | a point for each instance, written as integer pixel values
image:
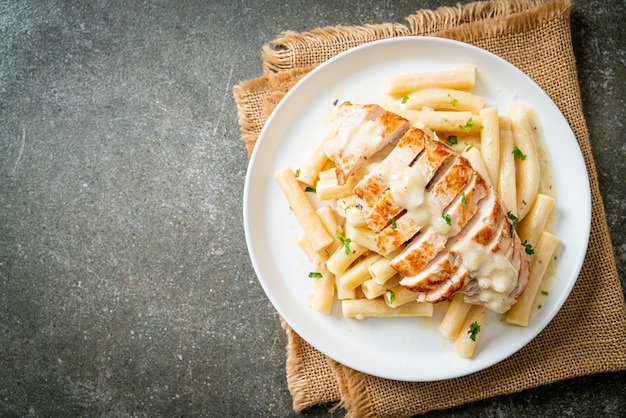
(366, 131)
(447, 229)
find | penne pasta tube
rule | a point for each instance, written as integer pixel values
(476, 159)
(355, 217)
(454, 318)
(398, 296)
(521, 312)
(327, 215)
(317, 159)
(323, 288)
(343, 292)
(358, 273)
(363, 308)
(303, 209)
(345, 203)
(381, 271)
(313, 164)
(490, 142)
(340, 260)
(330, 189)
(526, 159)
(465, 343)
(441, 120)
(506, 186)
(371, 289)
(327, 174)
(362, 236)
(462, 77)
(535, 222)
(444, 99)
(324, 281)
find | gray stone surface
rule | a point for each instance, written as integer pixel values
(125, 287)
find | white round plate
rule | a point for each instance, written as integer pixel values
(409, 349)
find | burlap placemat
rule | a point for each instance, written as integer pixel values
(589, 333)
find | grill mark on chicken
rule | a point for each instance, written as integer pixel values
(373, 134)
(425, 247)
(456, 173)
(452, 181)
(435, 156)
(391, 238)
(447, 261)
(453, 284)
(409, 147)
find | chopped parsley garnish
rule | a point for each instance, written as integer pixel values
(514, 219)
(315, 275)
(544, 292)
(344, 241)
(405, 99)
(473, 330)
(393, 223)
(454, 101)
(451, 140)
(468, 125)
(469, 146)
(518, 154)
(463, 199)
(310, 189)
(392, 296)
(446, 217)
(529, 248)
(297, 173)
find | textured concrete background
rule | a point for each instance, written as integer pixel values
(125, 287)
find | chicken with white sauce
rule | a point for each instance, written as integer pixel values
(430, 211)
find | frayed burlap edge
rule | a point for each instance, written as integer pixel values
(498, 17)
(295, 49)
(257, 98)
(304, 49)
(312, 386)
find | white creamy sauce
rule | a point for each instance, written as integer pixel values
(344, 130)
(408, 189)
(406, 185)
(368, 141)
(430, 213)
(496, 275)
(355, 137)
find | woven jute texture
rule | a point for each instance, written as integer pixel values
(589, 333)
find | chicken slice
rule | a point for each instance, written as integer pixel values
(477, 292)
(446, 181)
(372, 186)
(457, 174)
(363, 138)
(392, 237)
(494, 270)
(444, 264)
